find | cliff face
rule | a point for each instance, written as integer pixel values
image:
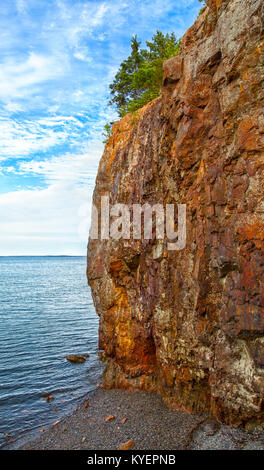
(189, 324)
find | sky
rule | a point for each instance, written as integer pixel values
(57, 59)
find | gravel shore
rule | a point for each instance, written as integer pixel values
(142, 418)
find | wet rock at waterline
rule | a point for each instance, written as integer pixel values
(77, 358)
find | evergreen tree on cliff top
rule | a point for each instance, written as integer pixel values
(122, 87)
(139, 77)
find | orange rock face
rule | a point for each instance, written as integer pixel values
(189, 324)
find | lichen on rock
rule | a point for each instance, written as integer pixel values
(189, 324)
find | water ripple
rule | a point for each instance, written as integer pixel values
(46, 312)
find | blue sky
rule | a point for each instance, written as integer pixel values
(57, 58)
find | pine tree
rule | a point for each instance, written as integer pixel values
(121, 89)
(139, 77)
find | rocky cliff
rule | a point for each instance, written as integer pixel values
(189, 324)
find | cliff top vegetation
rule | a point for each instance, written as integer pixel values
(139, 77)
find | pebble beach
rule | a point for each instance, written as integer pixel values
(108, 419)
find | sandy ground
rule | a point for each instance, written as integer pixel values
(149, 424)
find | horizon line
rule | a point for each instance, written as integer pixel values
(43, 256)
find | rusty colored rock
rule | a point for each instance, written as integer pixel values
(109, 418)
(189, 324)
(48, 396)
(78, 359)
(55, 424)
(126, 445)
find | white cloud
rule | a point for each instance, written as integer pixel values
(21, 6)
(44, 221)
(19, 78)
(59, 121)
(51, 101)
(21, 138)
(13, 107)
(53, 220)
(81, 54)
(75, 169)
(75, 22)
(78, 95)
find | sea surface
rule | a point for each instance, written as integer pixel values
(46, 313)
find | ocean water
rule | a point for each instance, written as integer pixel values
(46, 312)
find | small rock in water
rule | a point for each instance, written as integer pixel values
(78, 359)
(123, 420)
(49, 398)
(126, 445)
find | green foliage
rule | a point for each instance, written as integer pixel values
(107, 131)
(121, 89)
(139, 77)
(203, 7)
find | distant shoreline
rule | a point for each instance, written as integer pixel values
(42, 256)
